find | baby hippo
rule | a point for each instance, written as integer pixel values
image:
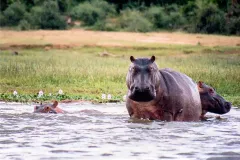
(211, 101)
(48, 108)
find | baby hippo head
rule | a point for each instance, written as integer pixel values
(46, 108)
(211, 101)
(142, 79)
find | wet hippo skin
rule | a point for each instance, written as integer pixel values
(211, 101)
(163, 94)
(48, 108)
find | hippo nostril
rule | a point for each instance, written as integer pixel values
(137, 88)
(228, 105)
(147, 88)
(36, 107)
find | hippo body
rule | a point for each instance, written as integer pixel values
(211, 101)
(169, 95)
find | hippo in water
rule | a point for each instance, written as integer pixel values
(211, 101)
(53, 108)
(160, 94)
(48, 108)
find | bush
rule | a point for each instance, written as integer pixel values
(14, 14)
(233, 26)
(92, 12)
(24, 25)
(2, 20)
(190, 10)
(210, 20)
(46, 17)
(175, 20)
(157, 16)
(131, 20)
(34, 17)
(105, 25)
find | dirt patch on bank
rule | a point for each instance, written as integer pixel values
(78, 37)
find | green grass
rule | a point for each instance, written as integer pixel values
(82, 74)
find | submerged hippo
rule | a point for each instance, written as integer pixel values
(211, 101)
(53, 108)
(48, 108)
(160, 94)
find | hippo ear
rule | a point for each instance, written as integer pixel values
(132, 59)
(152, 59)
(200, 84)
(55, 103)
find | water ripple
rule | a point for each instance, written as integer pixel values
(106, 132)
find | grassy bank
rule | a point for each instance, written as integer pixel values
(85, 73)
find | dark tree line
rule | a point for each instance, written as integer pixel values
(207, 16)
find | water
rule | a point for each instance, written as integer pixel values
(109, 134)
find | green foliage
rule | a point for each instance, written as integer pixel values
(208, 16)
(24, 25)
(92, 12)
(233, 26)
(190, 10)
(132, 20)
(210, 19)
(48, 16)
(14, 13)
(34, 17)
(105, 25)
(176, 20)
(2, 20)
(157, 16)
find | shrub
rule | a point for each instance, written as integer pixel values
(105, 25)
(47, 16)
(210, 20)
(24, 25)
(132, 20)
(2, 20)
(233, 26)
(34, 17)
(14, 14)
(92, 12)
(189, 11)
(157, 16)
(175, 20)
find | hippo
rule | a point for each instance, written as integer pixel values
(53, 108)
(48, 108)
(211, 101)
(163, 94)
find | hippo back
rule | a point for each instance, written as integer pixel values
(180, 96)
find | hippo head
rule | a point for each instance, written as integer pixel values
(142, 79)
(211, 101)
(46, 108)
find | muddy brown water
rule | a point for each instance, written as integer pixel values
(109, 134)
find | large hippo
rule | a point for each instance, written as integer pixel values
(160, 94)
(211, 101)
(48, 108)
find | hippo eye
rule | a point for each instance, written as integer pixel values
(151, 68)
(211, 91)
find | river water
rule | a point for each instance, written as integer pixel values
(109, 134)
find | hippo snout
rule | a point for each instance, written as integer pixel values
(142, 93)
(228, 106)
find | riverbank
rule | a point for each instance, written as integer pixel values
(90, 68)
